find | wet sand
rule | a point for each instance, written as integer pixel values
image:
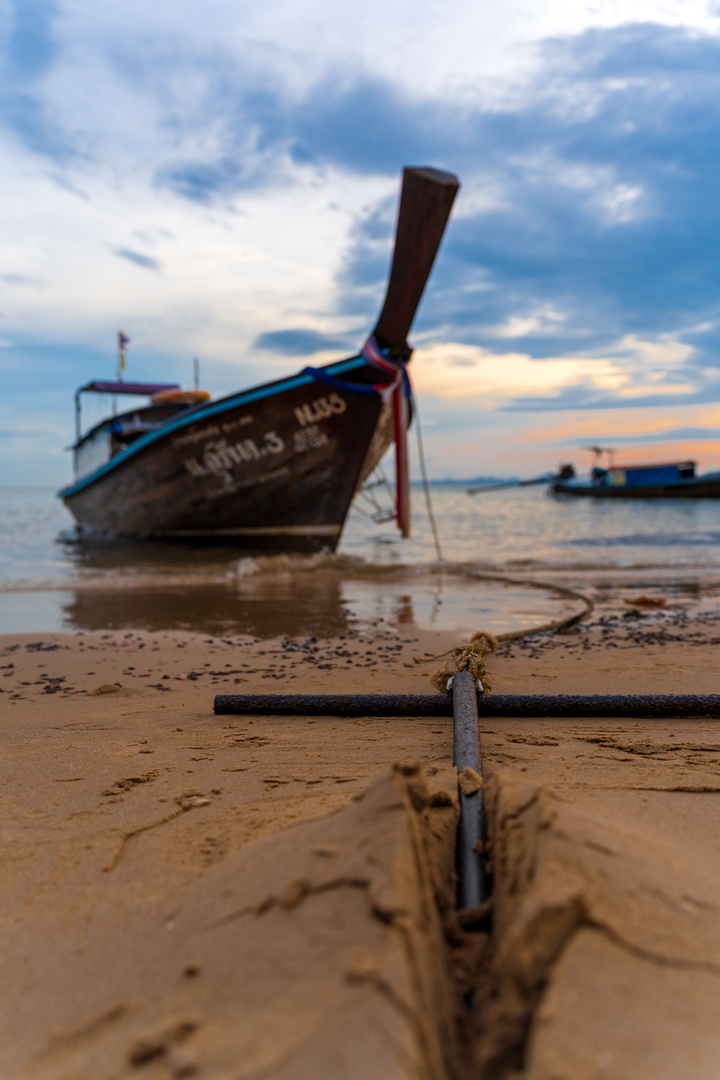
(185, 894)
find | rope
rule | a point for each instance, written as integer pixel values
(467, 658)
(426, 486)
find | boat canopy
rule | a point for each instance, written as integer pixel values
(98, 387)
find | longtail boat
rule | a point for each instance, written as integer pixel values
(274, 467)
(664, 480)
(656, 480)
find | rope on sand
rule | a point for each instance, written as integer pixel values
(470, 657)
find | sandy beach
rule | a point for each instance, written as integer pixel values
(185, 894)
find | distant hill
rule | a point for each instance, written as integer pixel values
(475, 480)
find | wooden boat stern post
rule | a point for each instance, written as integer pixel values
(426, 200)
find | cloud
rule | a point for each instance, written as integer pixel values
(136, 257)
(636, 373)
(22, 279)
(31, 44)
(575, 398)
(202, 182)
(463, 371)
(300, 342)
(678, 434)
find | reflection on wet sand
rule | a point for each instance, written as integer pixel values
(324, 604)
(277, 609)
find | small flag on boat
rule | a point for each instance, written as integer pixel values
(123, 342)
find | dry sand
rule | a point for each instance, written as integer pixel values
(185, 894)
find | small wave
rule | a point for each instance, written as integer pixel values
(663, 539)
(284, 564)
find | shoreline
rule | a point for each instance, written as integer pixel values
(285, 600)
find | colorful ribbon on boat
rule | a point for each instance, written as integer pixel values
(399, 392)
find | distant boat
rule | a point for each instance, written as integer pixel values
(663, 480)
(274, 467)
(666, 480)
(671, 480)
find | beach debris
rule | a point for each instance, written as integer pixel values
(149, 1049)
(189, 802)
(648, 601)
(128, 782)
(470, 781)
(108, 688)
(53, 685)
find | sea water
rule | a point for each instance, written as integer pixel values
(497, 550)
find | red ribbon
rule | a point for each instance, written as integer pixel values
(397, 391)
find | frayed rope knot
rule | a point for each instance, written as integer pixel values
(467, 658)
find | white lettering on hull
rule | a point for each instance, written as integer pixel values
(320, 409)
(309, 438)
(219, 457)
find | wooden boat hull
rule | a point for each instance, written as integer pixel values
(272, 468)
(697, 488)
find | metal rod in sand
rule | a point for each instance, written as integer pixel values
(654, 706)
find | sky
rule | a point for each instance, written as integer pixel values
(220, 181)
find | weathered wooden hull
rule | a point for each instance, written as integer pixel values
(272, 468)
(698, 488)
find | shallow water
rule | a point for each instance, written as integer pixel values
(51, 581)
